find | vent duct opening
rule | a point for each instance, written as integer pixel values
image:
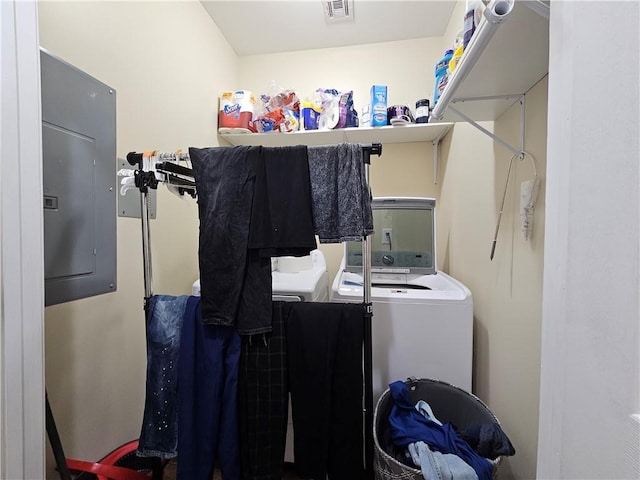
(338, 10)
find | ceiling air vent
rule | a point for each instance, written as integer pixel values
(338, 10)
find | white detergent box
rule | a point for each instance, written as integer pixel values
(378, 105)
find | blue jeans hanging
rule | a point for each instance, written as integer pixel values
(159, 435)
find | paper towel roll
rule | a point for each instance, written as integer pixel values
(329, 119)
(498, 10)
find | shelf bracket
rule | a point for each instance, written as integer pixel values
(436, 155)
(508, 146)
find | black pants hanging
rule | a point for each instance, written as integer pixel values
(314, 351)
(263, 400)
(325, 374)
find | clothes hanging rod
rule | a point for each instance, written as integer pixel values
(175, 168)
(180, 181)
(164, 168)
(154, 167)
(180, 176)
(135, 158)
(372, 148)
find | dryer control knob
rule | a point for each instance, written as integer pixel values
(388, 259)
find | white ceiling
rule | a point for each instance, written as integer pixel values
(268, 26)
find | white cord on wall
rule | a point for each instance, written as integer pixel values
(528, 194)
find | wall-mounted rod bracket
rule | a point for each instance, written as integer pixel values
(508, 146)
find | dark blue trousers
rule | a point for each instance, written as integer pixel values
(207, 398)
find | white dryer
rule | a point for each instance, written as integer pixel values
(296, 279)
(300, 279)
(422, 318)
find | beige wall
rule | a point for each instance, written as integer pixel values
(167, 62)
(472, 170)
(167, 86)
(403, 169)
(406, 67)
(507, 291)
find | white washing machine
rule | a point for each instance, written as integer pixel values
(422, 318)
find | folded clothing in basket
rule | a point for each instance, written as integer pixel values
(440, 465)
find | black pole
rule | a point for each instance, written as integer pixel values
(367, 151)
(54, 440)
(368, 392)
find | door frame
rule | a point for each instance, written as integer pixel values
(22, 418)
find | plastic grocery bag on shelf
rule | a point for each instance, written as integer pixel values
(278, 110)
(337, 109)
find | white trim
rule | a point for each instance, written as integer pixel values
(21, 252)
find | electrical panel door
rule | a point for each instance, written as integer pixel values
(79, 180)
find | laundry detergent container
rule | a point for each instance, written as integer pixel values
(450, 404)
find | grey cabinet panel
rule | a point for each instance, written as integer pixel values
(69, 219)
(79, 180)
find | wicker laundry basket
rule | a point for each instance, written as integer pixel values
(450, 404)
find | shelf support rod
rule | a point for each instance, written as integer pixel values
(506, 145)
(522, 120)
(435, 161)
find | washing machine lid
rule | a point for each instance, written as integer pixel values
(404, 238)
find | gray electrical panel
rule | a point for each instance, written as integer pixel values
(79, 180)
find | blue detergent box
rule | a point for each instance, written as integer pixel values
(378, 105)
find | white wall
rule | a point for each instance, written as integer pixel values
(590, 377)
(167, 62)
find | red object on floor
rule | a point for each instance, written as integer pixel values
(107, 468)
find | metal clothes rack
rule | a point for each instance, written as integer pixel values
(146, 176)
(368, 150)
(155, 167)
